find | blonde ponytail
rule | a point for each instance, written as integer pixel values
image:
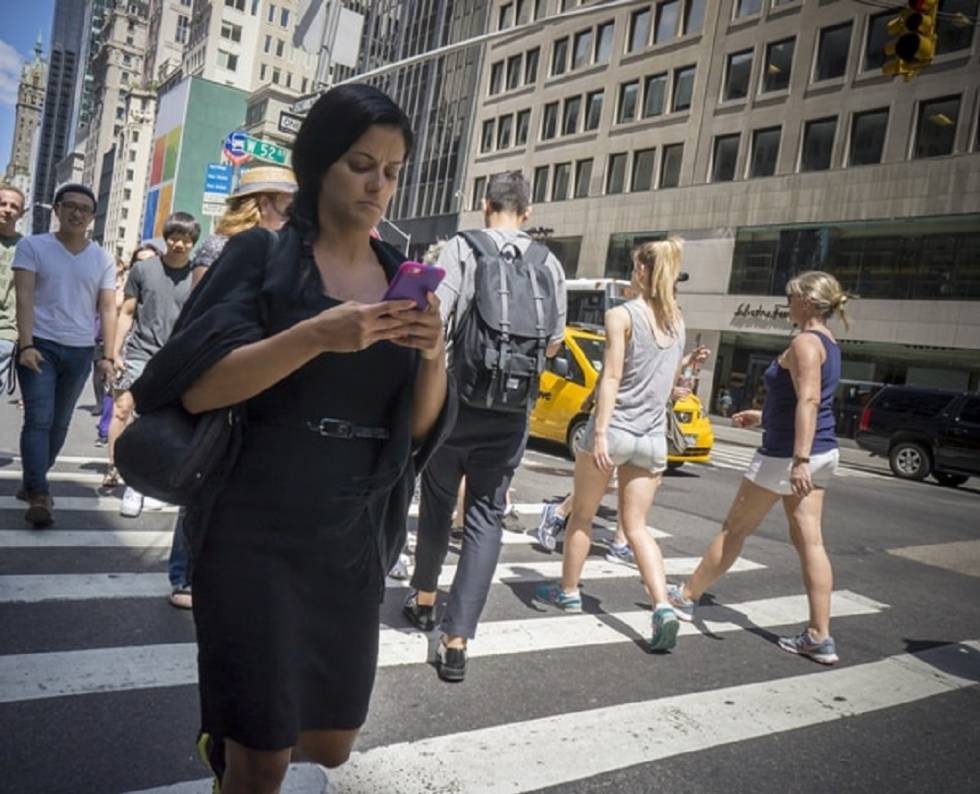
(823, 291)
(662, 263)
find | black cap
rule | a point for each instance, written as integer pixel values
(683, 276)
(74, 187)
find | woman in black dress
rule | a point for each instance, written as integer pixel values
(345, 395)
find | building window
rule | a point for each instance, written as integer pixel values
(272, 13)
(276, 74)
(124, 213)
(540, 189)
(284, 17)
(604, 42)
(737, 75)
(639, 30)
(559, 56)
(183, 29)
(505, 126)
(136, 136)
(654, 95)
(818, 144)
(725, 158)
(496, 77)
(231, 32)
(832, 52)
(513, 72)
(765, 150)
(132, 156)
(583, 176)
(693, 16)
(628, 93)
(935, 132)
(670, 165)
(127, 194)
(255, 6)
(874, 53)
(683, 88)
(505, 16)
(305, 81)
(951, 32)
(267, 47)
(747, 8)
(228, 60)
(642, 177)
(616, 178)
(582, 49)
(779, 65)
(479, 193)
(593, 110)
(289, 79)
(531, 66)
(280, 47)
(263, 69)
(569, 125)
(868, 137)
(522, 128)
(549, 121)
(666, 27)
(238, 5)
(523, 14)
(130, 175)
(486, 139)
(559, 187)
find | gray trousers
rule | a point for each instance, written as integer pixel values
(486, 447)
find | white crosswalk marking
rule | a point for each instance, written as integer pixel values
(737, 458)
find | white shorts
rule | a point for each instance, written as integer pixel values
(773, 473)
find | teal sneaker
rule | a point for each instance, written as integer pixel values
(553, 594)
(803, 644)
(665, 626)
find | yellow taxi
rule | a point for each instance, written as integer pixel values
(566, 399)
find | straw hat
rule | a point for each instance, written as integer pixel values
(265, 179)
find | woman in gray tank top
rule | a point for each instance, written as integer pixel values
(644, 354)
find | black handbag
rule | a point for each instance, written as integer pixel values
(172, 455)
(676, 441)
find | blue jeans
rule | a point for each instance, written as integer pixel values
(178, 556)
(49, 399)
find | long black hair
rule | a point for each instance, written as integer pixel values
(339, 117)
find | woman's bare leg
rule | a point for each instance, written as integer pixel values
(805, 515)
(249, 771)
(590, 486)
(637, 488)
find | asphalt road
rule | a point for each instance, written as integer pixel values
(97, 671)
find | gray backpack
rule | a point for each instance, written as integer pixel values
(499, 343)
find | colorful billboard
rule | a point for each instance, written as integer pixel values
(167, 137)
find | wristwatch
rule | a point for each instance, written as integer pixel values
(797, 459)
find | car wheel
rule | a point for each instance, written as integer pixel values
(576, 435)
(949, 480)
(910, 461)
(674, 464)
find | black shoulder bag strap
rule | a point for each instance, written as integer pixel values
(536, 257)
(482, 246)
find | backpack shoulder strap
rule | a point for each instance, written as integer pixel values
(481, 243)
(537, 254)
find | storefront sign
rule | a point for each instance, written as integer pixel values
(776, 316)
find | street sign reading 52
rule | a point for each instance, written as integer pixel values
(263, 150)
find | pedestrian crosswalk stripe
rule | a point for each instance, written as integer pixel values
(63, 459)
(101, 504)
(83, 478)
(300, 779)
(104, 539)
(738, 458)
(44, 675)
(34, 588)
(551, 751)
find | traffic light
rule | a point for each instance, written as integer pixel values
(913, 39)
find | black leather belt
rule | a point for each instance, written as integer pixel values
(339, 428)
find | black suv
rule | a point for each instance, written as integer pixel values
(923, 432)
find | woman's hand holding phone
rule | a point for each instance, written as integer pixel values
(422, 330)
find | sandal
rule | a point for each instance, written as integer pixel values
(112, 478)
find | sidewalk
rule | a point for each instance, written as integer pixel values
(850, 452)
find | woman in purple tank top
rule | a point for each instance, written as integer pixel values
(795, 463)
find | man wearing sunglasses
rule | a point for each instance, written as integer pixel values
(63, 282)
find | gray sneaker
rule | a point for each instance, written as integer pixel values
(551, 526)
(803, 644)
(684, 607)
(621, 554)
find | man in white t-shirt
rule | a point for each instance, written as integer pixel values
(63, 282)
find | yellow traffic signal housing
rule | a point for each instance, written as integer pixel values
(914, 43)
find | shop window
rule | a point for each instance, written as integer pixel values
(593, 109)
(868, 137)
(670, 165)
(616, 177)
(693, 16)
(935, 132)
(573, 106)
(683, 88)
(567, 251)
(642, 176)
(639, 30)
(737, 75)
(765, 150)
(654, 95)
(627, 101)
(559, 187)
(619, 259)
(604, 42)
(583, 177)
(818, 144)
(549, 121)
(540, 188)
(778, 65)
(724, 158)
(667, 18)
(952, 35)
(832, 52)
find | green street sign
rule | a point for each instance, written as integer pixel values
(263, 150)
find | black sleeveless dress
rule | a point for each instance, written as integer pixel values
(287, 581)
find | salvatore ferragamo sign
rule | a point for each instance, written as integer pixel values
(748, 316)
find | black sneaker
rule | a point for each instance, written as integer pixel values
(422, 617)
(452, 663)
(40, 513)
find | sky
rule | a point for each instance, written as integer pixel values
(17, 36)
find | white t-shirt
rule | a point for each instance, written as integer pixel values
(66, 287)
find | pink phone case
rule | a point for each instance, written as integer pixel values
(412, 281)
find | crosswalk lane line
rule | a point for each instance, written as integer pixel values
(83, 478)
(80, 672)
(551, 751)
(101, 504)
(58, 539)
(35, 588)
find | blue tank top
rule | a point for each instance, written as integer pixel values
(779, 409)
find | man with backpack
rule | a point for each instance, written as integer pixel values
(503, 301)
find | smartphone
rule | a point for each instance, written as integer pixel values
(413, 281)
